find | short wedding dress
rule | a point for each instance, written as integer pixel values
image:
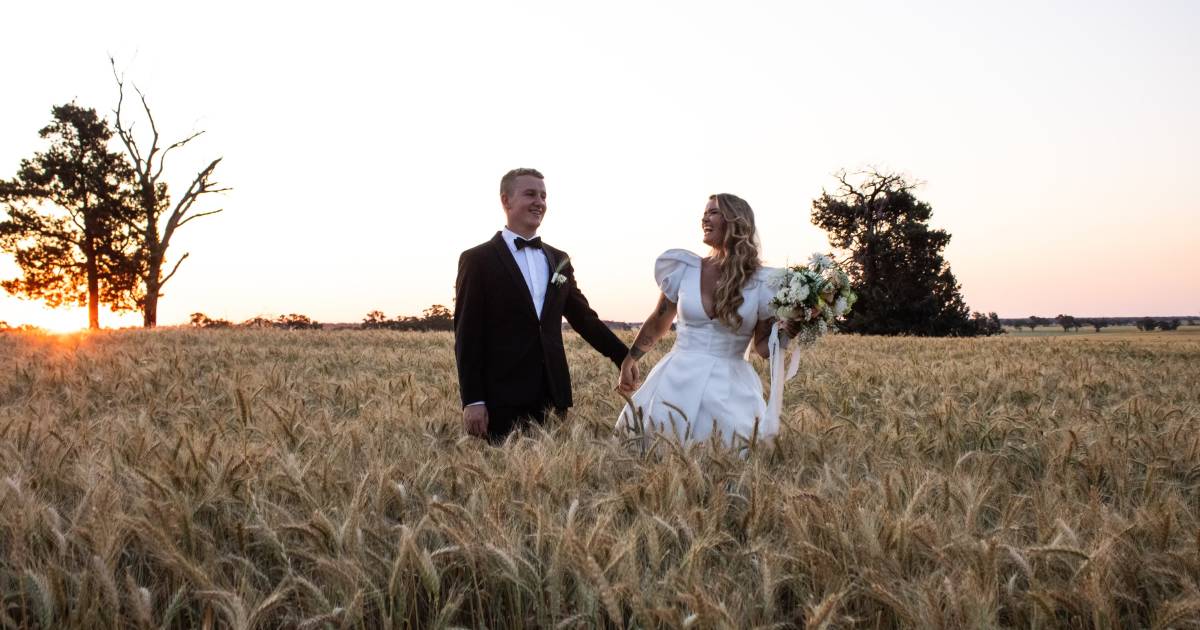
(705, 383)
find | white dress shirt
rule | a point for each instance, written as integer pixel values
(534, 266)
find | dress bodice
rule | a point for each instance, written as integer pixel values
(678, 272)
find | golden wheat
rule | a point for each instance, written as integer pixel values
(262, 479)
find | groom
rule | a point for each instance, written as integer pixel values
(510, 298)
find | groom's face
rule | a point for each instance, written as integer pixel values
(525, 204)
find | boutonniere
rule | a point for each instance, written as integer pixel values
(558, 279)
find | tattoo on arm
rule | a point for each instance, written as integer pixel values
(636, 352)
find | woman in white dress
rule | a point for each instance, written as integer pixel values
(705, 385)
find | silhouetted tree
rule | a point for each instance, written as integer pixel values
(1035, 321)
(257, 322)
(200, 320)
(1147, 324)
(1098, 324)
(1168, 324)
(1068, 322)
(69, 223)
(986, 325)
(158, 218)
(375, 319)
(296, 321)
(896, 266)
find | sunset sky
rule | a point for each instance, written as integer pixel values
(1059, 142)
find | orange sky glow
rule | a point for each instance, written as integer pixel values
(364, 142)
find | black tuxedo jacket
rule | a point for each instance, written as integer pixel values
(501, 346)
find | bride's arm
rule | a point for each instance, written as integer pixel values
(654, 328)
(762, 336)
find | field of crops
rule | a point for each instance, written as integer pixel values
(262, 479)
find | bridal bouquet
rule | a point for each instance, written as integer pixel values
(814, 295)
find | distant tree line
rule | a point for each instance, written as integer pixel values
(292, 321)
(436, 317)
(1070, 323)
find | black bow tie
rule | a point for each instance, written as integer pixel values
(535, 242)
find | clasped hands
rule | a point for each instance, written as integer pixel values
(630, 375)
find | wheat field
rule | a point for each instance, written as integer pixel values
(273, 479)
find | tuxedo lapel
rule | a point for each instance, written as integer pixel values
(552, 257)
(500, 248)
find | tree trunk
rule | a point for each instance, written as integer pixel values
(155, 258)
(150, 308)
(93, 282)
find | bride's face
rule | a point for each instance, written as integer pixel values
(713, 225)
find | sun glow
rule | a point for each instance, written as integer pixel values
(62, 320)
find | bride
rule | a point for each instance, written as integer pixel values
(705, 385)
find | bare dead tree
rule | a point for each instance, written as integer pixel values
(159, 219)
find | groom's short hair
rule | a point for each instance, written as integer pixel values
(510, 178)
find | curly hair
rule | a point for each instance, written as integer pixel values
(737, 258)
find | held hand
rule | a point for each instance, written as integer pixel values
(630, 375)
(475, 420)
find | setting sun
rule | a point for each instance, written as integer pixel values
(61, 320)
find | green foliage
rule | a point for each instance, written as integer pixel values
(1068, 322)
(200, 320)
(71, 228)
(986, 325)
(436, 317)
(904, 285)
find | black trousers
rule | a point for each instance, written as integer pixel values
(503, 420)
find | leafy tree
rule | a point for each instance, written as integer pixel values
(257, 322)
(296, 321)
(158, 217)
(896, 265)
(1098, 324)
(1035, 321)
(1068, 322)
(200, 320)
(1168, 324)
(1019, 324)
(986, 325)
(70, 222)
(375, 319)
(1147, 324)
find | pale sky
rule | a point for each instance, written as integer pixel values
(365, 141)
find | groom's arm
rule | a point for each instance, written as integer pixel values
(469, 321)
(587, 323)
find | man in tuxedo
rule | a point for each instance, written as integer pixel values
(511, 295)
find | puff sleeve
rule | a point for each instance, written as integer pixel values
(766, 291)
(670, 268)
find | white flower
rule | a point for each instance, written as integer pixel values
(840, 307)
(797, 293)
(820, 262)
(558, 279)
(787, 313)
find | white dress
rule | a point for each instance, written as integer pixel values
(704, 383)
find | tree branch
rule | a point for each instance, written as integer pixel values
(162, 159)
(202, 214)
(174, 269)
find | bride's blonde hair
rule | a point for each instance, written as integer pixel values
(737, 258)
